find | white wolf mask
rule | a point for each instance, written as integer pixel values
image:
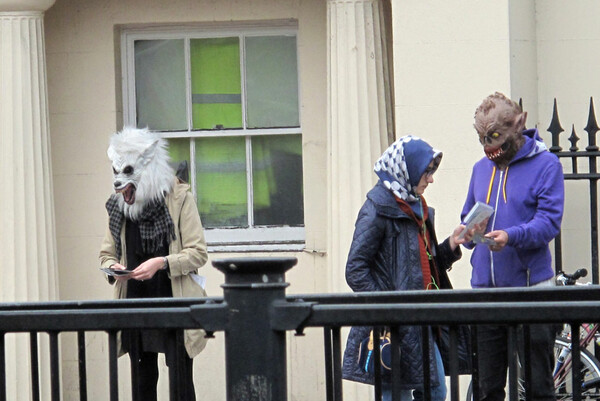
(141, 170)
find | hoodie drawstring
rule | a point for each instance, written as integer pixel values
(489, 194)
(487, 199)
(504, 184)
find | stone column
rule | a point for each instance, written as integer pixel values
(360, 116)
(28, 264)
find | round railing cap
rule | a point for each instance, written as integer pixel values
(254, 265)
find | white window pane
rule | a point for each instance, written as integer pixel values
(160, 84)
(271, 82)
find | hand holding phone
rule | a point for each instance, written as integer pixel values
(115, 272)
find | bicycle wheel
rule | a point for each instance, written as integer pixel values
(590, 370)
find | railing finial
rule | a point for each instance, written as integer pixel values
(592, 128)
(555, 129)
(573, 139)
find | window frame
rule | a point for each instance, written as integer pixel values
(253, 238)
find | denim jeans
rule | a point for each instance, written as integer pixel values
(438, 393)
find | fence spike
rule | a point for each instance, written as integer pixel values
(555, 129)
(592, 128)
(573, 139)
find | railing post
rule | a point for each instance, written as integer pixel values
(255, 354)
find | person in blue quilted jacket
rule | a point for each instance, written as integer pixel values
(394, 248)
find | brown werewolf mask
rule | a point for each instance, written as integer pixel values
(499, 122)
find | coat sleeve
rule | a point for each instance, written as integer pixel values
(369, 232)
(193, 254)
(545, 224)
(447, 257)
(469, 202)
(444, 257)
(108, 253)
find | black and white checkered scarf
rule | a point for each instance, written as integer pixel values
(155, 222)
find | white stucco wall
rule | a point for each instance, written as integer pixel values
(523, 56)
(568, 42)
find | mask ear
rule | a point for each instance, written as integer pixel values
(112, 155)
(520, 121)
(148, 154)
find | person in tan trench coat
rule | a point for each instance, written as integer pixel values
(167, 267)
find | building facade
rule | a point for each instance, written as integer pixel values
(348, 77)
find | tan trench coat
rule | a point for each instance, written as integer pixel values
(187, 253)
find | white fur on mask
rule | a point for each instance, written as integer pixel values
(141, 170)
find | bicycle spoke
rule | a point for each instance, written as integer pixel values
(590, 372)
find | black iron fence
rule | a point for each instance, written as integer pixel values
(574, 160)
(571, 160)
(255, 314)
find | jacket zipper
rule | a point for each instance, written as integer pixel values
(493, 272)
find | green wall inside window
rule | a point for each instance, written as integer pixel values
(221, 181)
(216, 81)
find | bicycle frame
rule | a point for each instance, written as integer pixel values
(564, 359)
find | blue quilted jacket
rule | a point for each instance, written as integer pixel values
(384, 256)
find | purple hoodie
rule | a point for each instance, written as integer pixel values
(528, 203)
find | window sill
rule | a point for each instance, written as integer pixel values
(265, 239)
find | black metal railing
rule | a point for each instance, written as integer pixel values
(255, 314)
(571, 161)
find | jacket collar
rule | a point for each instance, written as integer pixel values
(386, 205)
(179, 189)
(385, 202)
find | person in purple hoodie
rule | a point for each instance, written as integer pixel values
(524, 184)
